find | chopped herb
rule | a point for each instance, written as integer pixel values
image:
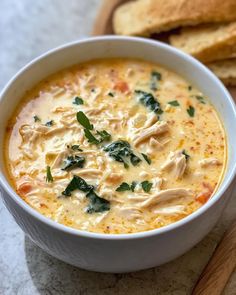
(146, 186)
(77, 183)
(148, 100)
(104, 135)
(84, 121)
(126, 187)
(49, 177)
(174, 103)
(111, 94)
(36, 118)
(186, 155)
(73, 162)
(120, 151)
(147, 159)
(123, 187)
(49, 123)
(97, 204)
(78, 100)
(190, 87)
(134, 159)
(75, 147)
(133, 185)
(191, 111)
(200, 99)
(91, 138)
(155, 77)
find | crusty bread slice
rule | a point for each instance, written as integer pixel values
(144, 17)
(225, 70)
(208, 42)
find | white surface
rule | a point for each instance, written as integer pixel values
(25, 269)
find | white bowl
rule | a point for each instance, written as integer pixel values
(125, 252)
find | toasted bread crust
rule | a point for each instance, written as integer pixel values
(207, 43)
(144, 17)
(225, 70)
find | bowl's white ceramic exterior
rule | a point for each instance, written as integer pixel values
(118, 253)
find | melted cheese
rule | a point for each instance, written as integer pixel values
(180, 185)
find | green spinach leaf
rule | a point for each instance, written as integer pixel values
(77, 183)
(36, 119)
(49, 123)
(201, 99)
(78, 100)
(97, 204)
(121, 151)
(174, 103)
(185, 154)
(49, 177)
(91, 138)
(147, 159)
(123, 187)
(191, 111)
(104, 136)
(73, 162)
(148, 100)
(155, 77)
(75, 147)
(84, 121)
(146, 186)
(126, 187)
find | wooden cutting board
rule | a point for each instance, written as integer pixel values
(103, 24)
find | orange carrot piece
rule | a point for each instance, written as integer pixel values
(121, 86)
(24, 188)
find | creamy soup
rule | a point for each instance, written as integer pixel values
(115, 146)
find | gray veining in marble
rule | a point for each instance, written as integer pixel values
(27, 29)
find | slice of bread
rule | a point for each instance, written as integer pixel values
(144, 17)
(207, 43)
(225, 70)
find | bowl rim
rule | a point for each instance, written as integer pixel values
(7, 188)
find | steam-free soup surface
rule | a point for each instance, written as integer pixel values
(115, 146)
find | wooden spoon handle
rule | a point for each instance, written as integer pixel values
(221, 265)
(103, 22)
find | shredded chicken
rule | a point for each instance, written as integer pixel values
(155, 144)
(90, 172)
(55, 130)
(130, 72)
(29, 134)
(176, 162)
(152, 120)
(57, 91)
(146, 133)
(144, 174)
(209, 162)
(166, 196)
(171, 210)
(114, 178)
(59, 174)
(130, 213)
(157, 183)
(60, 157)
(94, 112)
(61, 109)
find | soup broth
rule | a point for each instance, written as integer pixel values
(115, 146)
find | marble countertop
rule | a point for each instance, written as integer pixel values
(27, 29)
